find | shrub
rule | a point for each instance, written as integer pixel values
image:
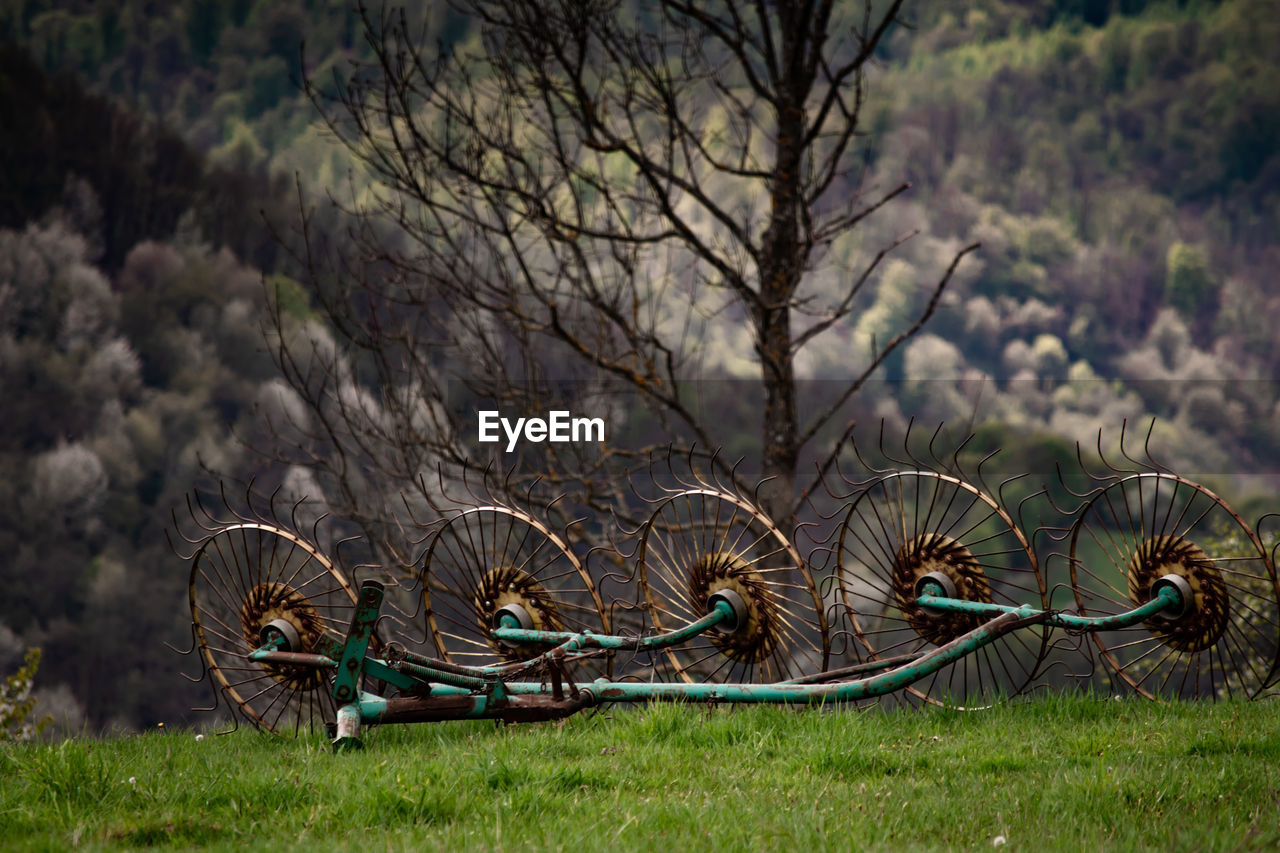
(17, 703)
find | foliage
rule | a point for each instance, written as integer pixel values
(17, 703)
(122, 390)
(1188, 284)
(119, 176)
(1097, 151)
(1119, 161)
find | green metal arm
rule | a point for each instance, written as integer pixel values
(511, 632)
(1167, 599)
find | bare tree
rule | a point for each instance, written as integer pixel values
(599, 192)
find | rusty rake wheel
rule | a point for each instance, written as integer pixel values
(490, 558)
(1152, 524)
(245, 577)
(904, 525)
(701, 541)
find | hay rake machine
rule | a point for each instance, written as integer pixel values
(919, 586)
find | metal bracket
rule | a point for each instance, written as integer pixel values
(346, 687)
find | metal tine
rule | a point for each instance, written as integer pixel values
(906, 444)
(1117, 469)
(978, 480)
(1150, 463)
(819, 544)
(615, 551)
(856, 485)
(370, 571)
(755, 492)
(1274, 675)
(455, 502)
(485, 494)
(620, 525)
(1062, 480)
(1041, 531)
(424, 525)
(168, 535)
(1019, 513)
(315, 525)
(843, 641)
(639, 493)
(714, 481)
(1101, 479)
(1124, 450)
(653, 478)
(467, 487)
(959, 468)
(1067, 649)
(862, 460)
(398, 614)
(938, 464)
(171, 647)
(733, 474)
(568, 525)
(528, 494)
(234, 715)
(1073, 646)
(621, 587)
(1146, 449)
(406, 623)
(476, 499)
(213, 520)
(1262, 521)
(411, 569)
(248, 500)
(191, 513)
(711, 478)
(205, 520)
(697, 480)
(1061, 586)
(443, 491)
(667, 458)
(808, 529)
(216, 694)
(1100, 483)
(623, 581)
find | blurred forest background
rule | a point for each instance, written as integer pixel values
(1119, 160)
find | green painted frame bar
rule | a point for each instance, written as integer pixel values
(845, 691)
(510, 632)
(1167, 598)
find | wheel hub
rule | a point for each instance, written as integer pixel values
(1204, 617)
(935, 552)
(505, 586)
(753, 638)
(271, 602)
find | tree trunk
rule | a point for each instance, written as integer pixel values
(780, 267)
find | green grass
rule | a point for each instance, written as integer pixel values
(1057, 773)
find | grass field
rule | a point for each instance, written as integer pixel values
(1056, 772)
